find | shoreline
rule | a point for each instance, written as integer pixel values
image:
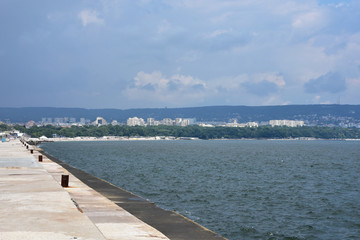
(36, 141)
(170, 223)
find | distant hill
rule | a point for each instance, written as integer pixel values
(310, 113)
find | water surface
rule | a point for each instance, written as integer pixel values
(237, 188)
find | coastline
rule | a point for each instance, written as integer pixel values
(36, 141)
(170, 223)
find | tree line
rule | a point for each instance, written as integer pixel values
(262, 132)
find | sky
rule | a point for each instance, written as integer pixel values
(179, 53)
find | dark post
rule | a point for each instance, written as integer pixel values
(64, 180)
(40, 158)
(27, 146)
(31, 151)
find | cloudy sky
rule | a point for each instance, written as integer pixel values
(179, 53)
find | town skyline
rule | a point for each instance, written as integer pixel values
(236, 116)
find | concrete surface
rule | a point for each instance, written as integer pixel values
(33, 205)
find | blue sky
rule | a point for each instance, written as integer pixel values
(179, 53)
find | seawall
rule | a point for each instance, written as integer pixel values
(169, 223)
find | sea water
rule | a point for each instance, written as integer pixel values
(259, 189)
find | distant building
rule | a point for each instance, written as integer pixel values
(30, 124)
(288, 123)
(178, 121)
(188, 121)
(135, 122)
(100, 121)
(206, 125)
(58, 120)
(167, 121)
(252, 124)
(236, 124)
(232, 124)
(82, 121)
(150, 121)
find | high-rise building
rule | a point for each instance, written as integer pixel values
(288, 123)
(135, 122)
(100, 121)
(150, 121)
(168, 121)
(178, 121)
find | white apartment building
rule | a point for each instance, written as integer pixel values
(135, 122)
(205, 125)
(185, 122)
(288, 123)
(100, 121)
(167, 121)
(236, 124)
(252, 124)
(178, 121)
(150, 121)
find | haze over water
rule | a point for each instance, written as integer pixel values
(239, 189)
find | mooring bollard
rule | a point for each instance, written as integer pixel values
(64, 180)
(31, 151)
(40, 158)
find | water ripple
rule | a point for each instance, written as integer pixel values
(240, 189)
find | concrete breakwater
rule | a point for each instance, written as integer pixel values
(111, 212)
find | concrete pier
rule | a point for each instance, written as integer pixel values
(33, 205)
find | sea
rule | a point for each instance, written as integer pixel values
(241, 189)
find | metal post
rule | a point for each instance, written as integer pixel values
(27, 146)
(40, 158)
(31, 151)
(65, 180)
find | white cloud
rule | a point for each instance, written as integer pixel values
(275, 78)
(90, 16)
(155, 79)
(234, 83)
(160, 83)
(310, 20)
(172, 90)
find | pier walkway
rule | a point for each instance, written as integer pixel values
(33, 205)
